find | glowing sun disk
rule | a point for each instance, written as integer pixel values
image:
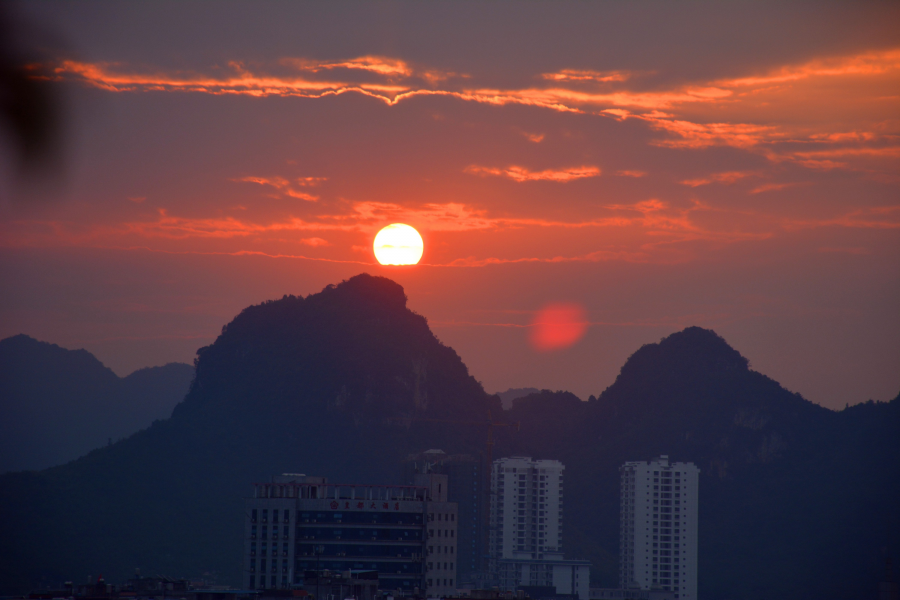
(398, 244)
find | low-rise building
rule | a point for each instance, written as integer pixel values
(634, 594)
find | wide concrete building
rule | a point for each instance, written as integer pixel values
(295, 524)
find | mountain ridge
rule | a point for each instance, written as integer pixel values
(58, 404)
(769, 459)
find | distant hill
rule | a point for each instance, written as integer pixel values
(784, 482)
(796, 501)
(58, 404)
(507, 397)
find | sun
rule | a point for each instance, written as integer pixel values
(398, 244)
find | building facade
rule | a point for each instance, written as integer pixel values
(564, 576)
(465, 487)
(526, 528)
(526, 508)
(658, 526)
(296, 524)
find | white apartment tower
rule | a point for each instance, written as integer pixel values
(527, 507)
(658, 527)
(526, 528)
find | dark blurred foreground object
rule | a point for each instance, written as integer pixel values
(887, 589)
(30, 103)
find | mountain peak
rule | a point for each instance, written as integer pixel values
(354, 347)
(369, 288)
(693, 349)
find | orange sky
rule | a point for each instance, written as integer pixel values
(722, 167)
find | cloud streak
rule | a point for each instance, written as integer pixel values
(521, 174)
(286, 187)
(688, 115)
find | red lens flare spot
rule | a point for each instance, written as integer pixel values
(558, 326)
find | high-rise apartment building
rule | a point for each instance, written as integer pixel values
(465, 487)
(527, 507)
(658, 526)
(526, 528)
(297, 524)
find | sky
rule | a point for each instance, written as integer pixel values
(651, 166)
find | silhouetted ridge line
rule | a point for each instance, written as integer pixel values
(58, 404)
(693, 349)
(354, 347)
(314, 384)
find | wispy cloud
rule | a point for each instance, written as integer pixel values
(587, 75)
(774, 187)
(878, 217)
(727, 177)
(521, 174)
(390, 67)
(286, 187)
(759, 110)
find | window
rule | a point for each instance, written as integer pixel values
(265, 515)
(287, 516)
(253, 515)
(275, 516)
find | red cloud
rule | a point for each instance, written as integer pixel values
(521, 174)
(587, 75)
(285, 187)
(756, 112)
(726, 178)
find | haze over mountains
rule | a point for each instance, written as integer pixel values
(512, 394)
(58, 404)
(795, 500)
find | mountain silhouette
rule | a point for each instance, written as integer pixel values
(59, 404)
(795, 500)
(507, 397)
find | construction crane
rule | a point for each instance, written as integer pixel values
(489, 461)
